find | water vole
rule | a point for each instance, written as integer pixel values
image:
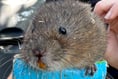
(64, 34)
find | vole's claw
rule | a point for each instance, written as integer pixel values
(90, 70)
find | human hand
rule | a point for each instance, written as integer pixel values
(111, 54)
(108, 11)
(10, 76)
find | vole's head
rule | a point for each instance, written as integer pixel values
(64, 34)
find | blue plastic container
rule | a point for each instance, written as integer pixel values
(21, 70)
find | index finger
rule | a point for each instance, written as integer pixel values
(102, 7)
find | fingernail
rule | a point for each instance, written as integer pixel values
(108, 15)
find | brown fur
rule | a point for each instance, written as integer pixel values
(83, 45)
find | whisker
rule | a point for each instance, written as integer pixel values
(19, 56)
(19, 41)
(6, 62)
(66, 61)
(3, 77)
(66, 54)
(2, 55)
(3, 58)
(19, 46)
(22, 56)
(70, 54)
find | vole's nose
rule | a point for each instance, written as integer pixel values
(37, 53)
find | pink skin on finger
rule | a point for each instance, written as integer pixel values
(102, 7)
(111, 54)
(113, 12)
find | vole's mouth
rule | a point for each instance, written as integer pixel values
(37, 53)
(41, 64)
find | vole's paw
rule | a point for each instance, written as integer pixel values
(90, 70)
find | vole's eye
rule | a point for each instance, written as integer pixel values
(62, 30)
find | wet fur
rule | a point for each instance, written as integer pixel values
(83, 45)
